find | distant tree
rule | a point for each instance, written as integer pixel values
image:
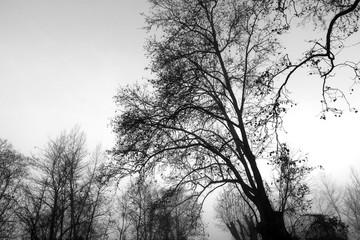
(12, 172)
(120, 221)
(32, 213)
(330, 198)
(340, 201)
(149, 213)
(215, 104)
(323, 227)
(237, 214)
(63, 199)
(352, 205)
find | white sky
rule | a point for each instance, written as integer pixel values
(62, 61)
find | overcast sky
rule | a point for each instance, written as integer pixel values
(62, 61)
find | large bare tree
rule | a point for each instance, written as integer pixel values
(215, 104)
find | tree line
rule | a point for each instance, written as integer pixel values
(62, 193)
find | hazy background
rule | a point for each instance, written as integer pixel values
(61, 63)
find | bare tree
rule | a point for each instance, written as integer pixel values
(149, 212)
(63, 198)
(237, 214)
(352, 205)
(96, 191)
(121, 222)
(216, 102)
(12, 173)
(60, 168)
(32, 213)
(340, 201)
(330, 198)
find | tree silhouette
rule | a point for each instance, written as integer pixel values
(216, 102)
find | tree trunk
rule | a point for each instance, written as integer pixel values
(233, 230)
(52, 233)
(251, 227)
(272, 226)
